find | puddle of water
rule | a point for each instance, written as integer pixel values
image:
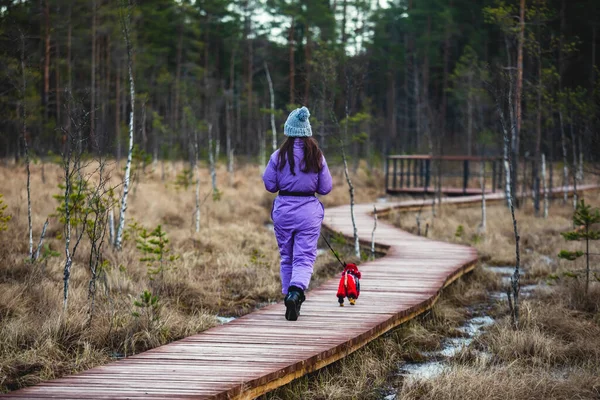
(224, 320)
(500, 270)
(450, 348)
(524, 291)
(424, 371)
(472, 328)
(382, 200)
(475, 325)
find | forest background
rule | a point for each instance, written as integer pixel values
(408, 76)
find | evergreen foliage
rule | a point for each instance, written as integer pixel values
(584, 220)
(4, 216)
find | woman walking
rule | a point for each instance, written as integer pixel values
(297, 171)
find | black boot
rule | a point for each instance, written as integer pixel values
(293, 302)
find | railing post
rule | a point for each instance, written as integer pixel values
(465, 175)
(422, 173)
(408, 172)
(401, 173)
(395, 172)
(501, 176)
(494, 176)
(427, 173)
(387, 174)
(415, 172)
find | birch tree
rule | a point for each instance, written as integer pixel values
(23, 107)
(513, 292)
(125, 25)
(272, 96)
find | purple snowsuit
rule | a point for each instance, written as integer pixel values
(297, 220)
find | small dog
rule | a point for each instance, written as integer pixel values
(349, 285)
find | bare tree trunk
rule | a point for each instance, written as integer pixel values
(483, 225)
(563, 142)
(111, 227)
(57, 78)
(373, 233)
(391, 110)
(250, 105)
(93, 77)
(506, 149)
(69, 260)
(262, 150)
(272, 95)
(125, 21)
(349, 181)
(229, 101)
(117, 113)
(538, 136)
(519, 87)
(211, 161)
(292, 65)
(580, 170)
(175, 123)
(515, 278)
(545, 188)
(46, 59)
(41, 242)
(144, 100)
(25, 144)
(307, 57)
(69, 67)
(197, 172)
(470, 116)
(574, 148)
(417, 100)
(514, 163)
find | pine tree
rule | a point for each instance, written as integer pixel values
(584, 218)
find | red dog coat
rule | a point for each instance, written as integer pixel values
(349, 284)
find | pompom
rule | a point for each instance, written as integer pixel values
(303, 114)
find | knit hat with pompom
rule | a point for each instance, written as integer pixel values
(297, 124)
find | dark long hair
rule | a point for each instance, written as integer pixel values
(313, 156)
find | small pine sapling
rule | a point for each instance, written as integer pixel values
(4, 217)
(584, 218)
(184, 179)
(154, 246)
(147, 307)
(78, 204)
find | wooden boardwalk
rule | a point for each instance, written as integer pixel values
(262, 351)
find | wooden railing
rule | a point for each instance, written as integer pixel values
(417, 173)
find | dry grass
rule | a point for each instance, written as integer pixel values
(506, 382)
(230, 268)
(555, 354)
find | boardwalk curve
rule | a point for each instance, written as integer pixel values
(261, 351)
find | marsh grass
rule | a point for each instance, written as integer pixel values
(229, 268)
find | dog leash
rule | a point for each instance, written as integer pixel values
(333, 251)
